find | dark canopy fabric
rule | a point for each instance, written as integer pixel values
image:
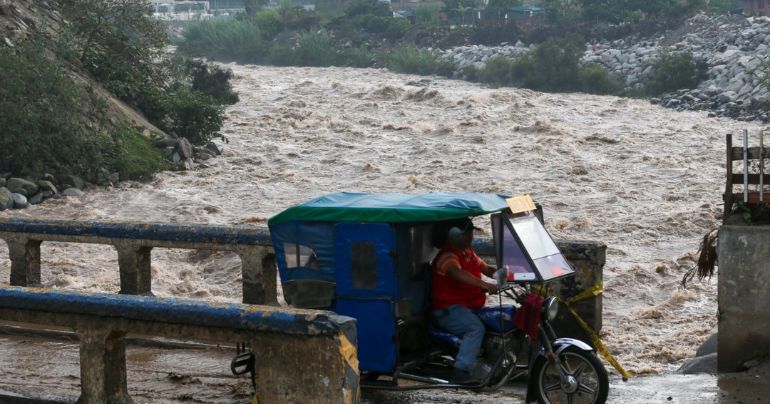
(392, 208)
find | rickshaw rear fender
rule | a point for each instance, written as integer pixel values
(559, 345)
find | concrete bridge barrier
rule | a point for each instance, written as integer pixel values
(302, 356)
(134, 243)
(743, 285)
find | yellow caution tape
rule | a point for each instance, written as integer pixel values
(593, 291)
(348, 352)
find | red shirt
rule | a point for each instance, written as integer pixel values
(448, 291)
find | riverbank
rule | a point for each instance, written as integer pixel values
(732, 51)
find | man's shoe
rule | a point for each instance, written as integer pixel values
(460, 376)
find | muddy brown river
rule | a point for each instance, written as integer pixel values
(645, 180)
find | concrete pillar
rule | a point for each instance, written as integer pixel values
(102, 367)
(308, 370)
(259, 275)
(743, 285)
(135, 270)
(587, 259)
(25, 261)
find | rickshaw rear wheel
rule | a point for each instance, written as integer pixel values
(589, 383)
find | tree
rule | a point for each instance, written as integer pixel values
(560, 11)
(116, 31)
(252, 6)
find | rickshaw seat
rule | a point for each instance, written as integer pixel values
(489, 315)
(444, 336)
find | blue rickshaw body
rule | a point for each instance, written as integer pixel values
(368, 256)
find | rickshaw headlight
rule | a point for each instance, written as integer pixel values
(550, 308)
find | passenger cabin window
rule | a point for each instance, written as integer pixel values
(364, 265)
(298, 255)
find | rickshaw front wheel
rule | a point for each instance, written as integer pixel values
(587, 380)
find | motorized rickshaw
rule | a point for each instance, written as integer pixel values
(368, 256)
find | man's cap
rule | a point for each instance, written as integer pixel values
(466, 224)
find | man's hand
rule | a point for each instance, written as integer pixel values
(490, 287)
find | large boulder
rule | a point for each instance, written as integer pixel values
(700, 364)
(47, 186)
(70, 181)
(708, 347)
(19, 201)
(185, 148)
(37, 198)
(6, 199)
(72, 191)
(22, 186)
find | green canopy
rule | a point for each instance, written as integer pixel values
(392, 208)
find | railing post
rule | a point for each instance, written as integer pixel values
(25, 261)
(102, 367)
(135, 269)
(259, 275)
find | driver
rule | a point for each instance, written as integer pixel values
(458, 290)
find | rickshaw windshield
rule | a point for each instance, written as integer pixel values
(526, 249)
(533, 236)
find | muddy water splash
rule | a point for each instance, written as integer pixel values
(644, 180)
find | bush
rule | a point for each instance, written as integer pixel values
(674, 71)
(410, 59)
(364, 7)
(397, 28)
(281, 55)
(315, 49)
(595, 79)
(355, 57)
(551, 66)
(44, 115)
(226, 39)
(458, 36)
(135, 156)
(269, 23)
(212, 80)
(427, 14)
(493, 33)
(497, 72)
(193, 115)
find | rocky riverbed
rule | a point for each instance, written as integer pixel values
(733, 50)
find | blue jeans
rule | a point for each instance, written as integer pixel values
(461, 321)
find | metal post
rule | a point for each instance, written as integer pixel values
(761, 165)
(745, 166)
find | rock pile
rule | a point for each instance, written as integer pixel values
(184, 155)
(733, 49)
(19, 193)
(477, 55)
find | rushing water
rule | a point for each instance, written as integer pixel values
(645, 180)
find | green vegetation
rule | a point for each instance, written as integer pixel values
(552, 66)
(675, 71)
(575, 12)
(411, 59)
(52, 121)
(43, 113)
(134, 156)
(123, 48)
(226, 39)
